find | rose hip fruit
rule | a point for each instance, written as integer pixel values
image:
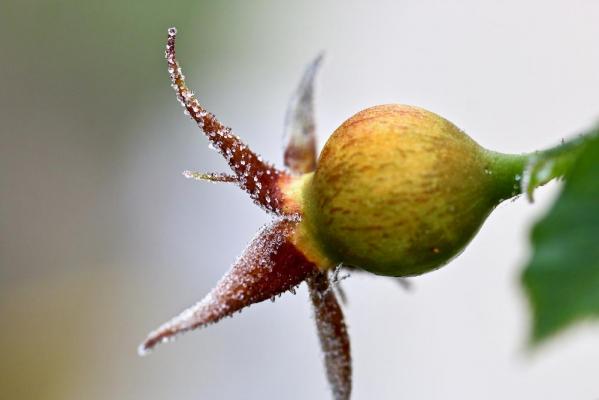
(400, 191)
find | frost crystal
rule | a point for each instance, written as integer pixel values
(212, 177)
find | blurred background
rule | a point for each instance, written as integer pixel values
(102, 239)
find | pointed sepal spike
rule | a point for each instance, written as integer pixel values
(260, 179)
(332, 332)
(210, 177)
(269, 266)
(300, 128)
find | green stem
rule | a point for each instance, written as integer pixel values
(523, 173)
(507, 170)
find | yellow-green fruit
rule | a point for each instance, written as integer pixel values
(399, 190)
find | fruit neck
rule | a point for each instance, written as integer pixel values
(507, 171)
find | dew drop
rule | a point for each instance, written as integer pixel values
(545, 172)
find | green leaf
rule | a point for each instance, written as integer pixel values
(562, 277)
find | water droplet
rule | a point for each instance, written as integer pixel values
(545, 172)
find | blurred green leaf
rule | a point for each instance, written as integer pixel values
(562, 277)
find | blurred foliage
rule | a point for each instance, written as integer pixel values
(562, 278)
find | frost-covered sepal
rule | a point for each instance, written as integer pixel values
(300, 127)
(269, 266)
(260, 179)
(332, 332)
